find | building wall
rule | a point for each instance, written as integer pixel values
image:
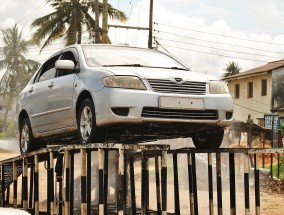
(256, 106)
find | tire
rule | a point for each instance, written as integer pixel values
(88, 131)
(27, 141)
(208, 139)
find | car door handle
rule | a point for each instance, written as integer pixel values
(31, 90)
(51, 85)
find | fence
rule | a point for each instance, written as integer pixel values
(143, 179)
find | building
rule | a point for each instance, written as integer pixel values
(257, 92)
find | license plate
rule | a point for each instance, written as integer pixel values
(181, 103)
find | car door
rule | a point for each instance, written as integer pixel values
(36, 99)
(60, 97)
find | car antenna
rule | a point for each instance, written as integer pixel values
(159, 44)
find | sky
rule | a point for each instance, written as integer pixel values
(204, 34)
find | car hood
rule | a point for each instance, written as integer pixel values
(161, 73)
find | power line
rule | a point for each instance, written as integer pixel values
(222, 35)
(210, 41)
(217, 48)
(249, 108)
(221, 55)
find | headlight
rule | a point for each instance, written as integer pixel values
(218, 87)
(129, 82)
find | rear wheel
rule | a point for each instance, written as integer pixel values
(27, 141)
(208, 139)
(88, 131)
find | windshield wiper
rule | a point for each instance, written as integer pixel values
(127, 65)
(177, 68)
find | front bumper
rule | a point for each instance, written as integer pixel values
(135, 100)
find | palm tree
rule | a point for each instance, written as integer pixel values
(18, 68)
(71, 18)
(231, 69)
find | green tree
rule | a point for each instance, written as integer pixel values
(70, 18)
(19, 69)
(232, 68)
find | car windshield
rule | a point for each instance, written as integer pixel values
(97, 56)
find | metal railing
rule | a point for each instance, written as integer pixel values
(147, 180)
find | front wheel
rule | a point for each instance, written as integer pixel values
(88, 131)
(208, 139)
(27, 140)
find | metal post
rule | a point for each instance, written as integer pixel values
(51, 182)
(67, 182)
(150, 46)
(190, 184)
(219, 183)
(158, 189)
(176, 184)
(194, 183)
(164, 182)
(246, 183)
(15, 183)
(143, 185)
(121, 187)
(105, 180)
(132, 184)
(36, 184)
(210, 184)
(101, 181)
(83, 182)
(25, 184)
(71, 183)
(232, 184)
(2, 190)
(271, 165)
(89, 181)
(256, 185)
(31, 186)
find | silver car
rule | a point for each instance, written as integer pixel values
(107, 93)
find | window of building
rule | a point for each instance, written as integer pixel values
(250, 89)
(264, 87)
(237, 91)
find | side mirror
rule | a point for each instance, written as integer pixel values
(65, 65)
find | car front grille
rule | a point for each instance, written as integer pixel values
(168, 86)
(151, 112)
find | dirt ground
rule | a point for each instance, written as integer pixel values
(271, 202)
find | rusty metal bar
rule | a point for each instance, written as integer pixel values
(271, 165)
(121, 188)
(59, 180)
(232, 184)
(158, 189)
(83, 182)
(105, 181)
(219, 183)
(143, 185)
(256, 185)
(176, 185)
(25, 184)
(278, 165)
(101, 181)
(36, 184)
(210, 184)
(164, 181)
(89, 181)
(67, 183)
(246, 183)
(15, 185)
(190, 184)
(132, 184)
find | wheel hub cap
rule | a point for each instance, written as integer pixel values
(86, 123)
(25, 138)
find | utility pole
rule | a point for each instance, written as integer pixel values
(105, 22)
(97, 24)
(150, 45)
